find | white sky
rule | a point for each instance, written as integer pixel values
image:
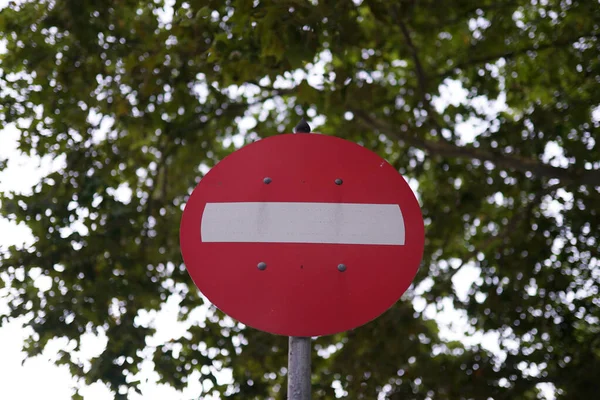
(55, 383)
(24, 172)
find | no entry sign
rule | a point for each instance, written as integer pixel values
(302, 235)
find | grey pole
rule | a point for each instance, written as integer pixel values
(299, 347)
(299, 368)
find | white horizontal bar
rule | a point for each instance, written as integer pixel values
(341, 223)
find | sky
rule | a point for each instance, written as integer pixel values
(39, 377)
(16, 371)
(15, 375)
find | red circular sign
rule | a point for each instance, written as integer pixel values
(302, 235)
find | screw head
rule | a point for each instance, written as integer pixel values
(262, 266)
(338, 181)
(267, 180)
(341, 267)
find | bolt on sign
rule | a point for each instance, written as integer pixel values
(302, 235)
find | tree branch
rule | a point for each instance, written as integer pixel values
(468, 12)
(421, 77)
(447, 149)
(420, 72)
(514, 53)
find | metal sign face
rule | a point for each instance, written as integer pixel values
(302, 235)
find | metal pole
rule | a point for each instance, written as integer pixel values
(299, 347)
(299, 368)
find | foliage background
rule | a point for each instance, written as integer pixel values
(143, 98)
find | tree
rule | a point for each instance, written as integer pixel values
(142, 96)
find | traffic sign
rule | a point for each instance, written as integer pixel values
(302, 235)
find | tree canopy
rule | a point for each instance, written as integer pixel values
(144, 97)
